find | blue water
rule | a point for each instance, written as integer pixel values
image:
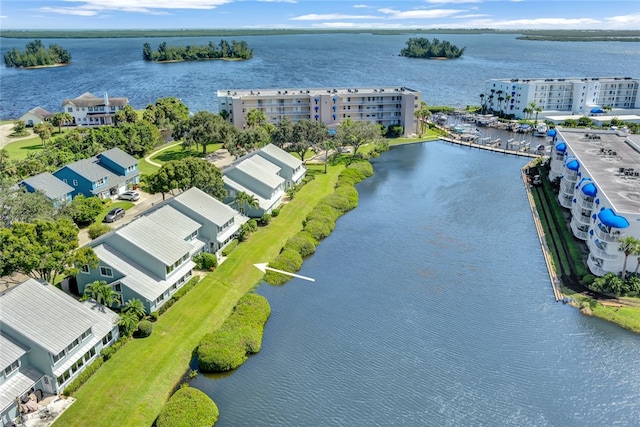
(432, 306)
(298, 61)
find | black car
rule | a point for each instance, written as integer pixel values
(114, 214)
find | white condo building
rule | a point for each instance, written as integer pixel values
(581, 96)
(386, 106)
(599, 175)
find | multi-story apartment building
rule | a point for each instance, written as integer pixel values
(564, 95)
(386, 106)
(599, 175)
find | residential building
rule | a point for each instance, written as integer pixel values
(90, 110)
(258, 177)
(35, 116)
(577, 96)
(386, 106)
(151, 258)
(106, 175)
(599, 172)
(55, 189)
(291, 168)
(47, 339)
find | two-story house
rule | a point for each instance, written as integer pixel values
(90, 110)
(106, 175)
(55, 189)
(291, 168)
(47, 339)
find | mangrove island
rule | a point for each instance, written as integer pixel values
(223, 50)
(36, 55)
(420, 47)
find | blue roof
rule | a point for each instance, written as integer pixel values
(611, 219)
(561, 146)
(573, 165)
(552, 132)
(590, 190)
(597, 110)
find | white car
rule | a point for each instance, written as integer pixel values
(130, 195)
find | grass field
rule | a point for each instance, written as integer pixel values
(174, 152)
(18, 150)
(133, 386)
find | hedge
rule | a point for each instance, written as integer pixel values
(97, 229)
(230, 247)
(319, 229)
(83, 377)
(188, 407)
(303, 243)
(179, 294)
(288, 260)
(240, 335)
(323, 211)
(205, 261)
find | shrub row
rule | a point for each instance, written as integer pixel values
(240, 335)
(188, 407)
(108, 352)
(83, 377)
(230, 247)
(320, 222)
(179, 294)
(205, 261)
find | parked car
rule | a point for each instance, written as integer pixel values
(130, 195)
(114, 215)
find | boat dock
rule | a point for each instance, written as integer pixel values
(470, 144)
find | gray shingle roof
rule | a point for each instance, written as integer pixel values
(51, 186)
(119, 157)
(209, 207)
(40, 112)
(11, 351)
(156, 239)
(45, 315)
(90, 169)
(281, 155)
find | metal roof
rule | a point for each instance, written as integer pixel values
(18, 384)
(45, 315)
(179, 223)
(280, 156)
(267, 164)
(50, 185)
(11, 351)
(211, 208)
(157, 239)
(254, 170)
(136, 277)
(119, 157)
(264, 204)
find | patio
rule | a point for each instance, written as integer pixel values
(49, 409)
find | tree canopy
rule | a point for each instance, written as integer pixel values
(357, 133)
(35, 54)
(421, 47)
(187, 173)
(223, 50)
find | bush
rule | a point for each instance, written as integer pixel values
(365, 167)
(179, 294)
(302, 243)
(205, 261)
(188, 407)
(221, 351)
(323, 212)
(97, 229)
(83, 210)
(265, 220)
(230, 247)
(108, 352)
(319, 229)
(337, 201)
(84, 376)
(145, 328)
(275, 212)
(288, 260)
(153, 316)
(351, 195)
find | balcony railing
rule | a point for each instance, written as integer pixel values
(579, 232)
(606, 236)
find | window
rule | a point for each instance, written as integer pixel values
(106, 272)
(117, 287)
(57, 357)
(100, 182)
(13, 367)
(85, 334)
(107, 338)
(73, 345)
(75, 182)
(160, 299)
(85, 269)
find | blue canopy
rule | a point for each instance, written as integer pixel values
(590, 190)
(597, 110)
(552, 132)
(611, 219)
(561, 146)
(573, 165)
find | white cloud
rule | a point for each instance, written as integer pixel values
(359, 25)
(3, 17)
(522, 24)
(330, 16)
(420, 13)
(94, 7)
(471, 15)
(69, 11)
(361, 6)
(624, 20)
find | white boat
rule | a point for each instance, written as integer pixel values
(541, 130)
(485, 140)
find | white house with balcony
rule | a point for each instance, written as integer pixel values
(599, 175)
(91, 110)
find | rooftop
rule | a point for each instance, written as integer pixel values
(119, 157)
(51, 186)
(607, 157)
(237, 93)
(198, 201)
(280, 155)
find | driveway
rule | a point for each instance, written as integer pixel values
(5, 131)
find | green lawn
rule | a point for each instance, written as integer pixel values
(133, 386)
(175, 152)
(124, 205)
(429, 135)
(18, 150)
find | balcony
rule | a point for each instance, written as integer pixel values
(603, 233)
(579, 230)
(595, 266)
(602, 250)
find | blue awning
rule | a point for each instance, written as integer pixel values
(573, 165)
(552, 132)
(561, 146)
(597, 110)
(590, 190)
(611, 219)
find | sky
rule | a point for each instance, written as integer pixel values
(319, 14)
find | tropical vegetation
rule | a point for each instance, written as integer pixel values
(421, 47)
(36, 55)
(223, 50)
(188, 407)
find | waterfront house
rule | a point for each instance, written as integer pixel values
(599, 173)
(106, 175)
(291, 168)
(90, 110)
(47, 338)
(55, 189)
(35, 116)
(258, 177)
(382, 105)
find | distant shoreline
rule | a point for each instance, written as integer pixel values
(197, 60)
(532, 35)
(33, 67)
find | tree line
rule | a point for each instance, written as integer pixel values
(223, 50)
(420, 47)
(35, 54)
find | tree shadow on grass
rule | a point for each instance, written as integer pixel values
(167, 156)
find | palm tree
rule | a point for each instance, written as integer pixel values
(628, 245)
(482, 103)
(60, 119)
(102, 293)
(243, 199)
(422, 115)
(636, 251)
(44, 131)
(255, 118)
(607, 108)
(506, 104)
(128, 323)
(136, 307)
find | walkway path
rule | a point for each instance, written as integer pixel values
(5, 131)
(154, 153)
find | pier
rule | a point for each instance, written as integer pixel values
(470, 144)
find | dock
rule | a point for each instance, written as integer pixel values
(517, 153)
